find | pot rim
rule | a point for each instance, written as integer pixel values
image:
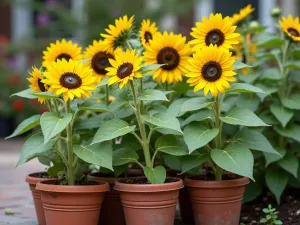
(216, 184)
(122, 187)
(34, 180)
(46, 186)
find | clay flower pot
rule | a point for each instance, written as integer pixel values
(149, 204)
(72, 205)
(112, 210)
(32, 180)
(216, 202)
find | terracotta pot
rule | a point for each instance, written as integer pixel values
(149, 204)
(112, 210)
(32, 180)
(72, 205)
(216, 202)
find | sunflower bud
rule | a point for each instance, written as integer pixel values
(254, 24)
(275, 12)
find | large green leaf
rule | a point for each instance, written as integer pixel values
(190, 162)
(94, 106)
(174, 108)
(290, 164)
(196, 135)
(249, 102)
(153, 95)
(172, 162)
(172, 145)
(25, 94)
(112, 129)
(26, 125)
(276, 180)
(47, 95)
(163, 121)
(52, 124)
(202, 115)
(150, 68)
(124, 156)
(235, 158)
(293, 102)
(238, 64)
(243, 117)
(194, 104)
(243, 87)
(55, 169)
(156, 175)
(254, 140)
(33, 147)
(270, 157)
(98, 154)
(282, 114)
(291, 131)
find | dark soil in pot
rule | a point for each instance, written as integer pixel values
(289, 208)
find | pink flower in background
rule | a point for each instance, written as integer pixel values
(43, 19)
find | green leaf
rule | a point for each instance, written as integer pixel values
(172, 162)
(293, 65)
(291, 131)
(150, 68)
(242, 87)
(112, 129)
(103, 82)
(271, 74)
(196, 135)
(282, 114)
(268, 41)
(293, 102)
(270, 158)
(172, 145)
(202, 115)
(48, 95)
(163, 121)
(243, 117)
(267, 88)
(174, 108)
(156, 175)
(290, 164)
(189, 162)
(55, 169)
(26, 125)
(25, 94)
(235, 158)
(124, 156)
(276, 180)
(52, 124)
(98, 154)
(94, 106)
(248, 102)
(153, 95)
(33, 147)
(194, 104)
(238, 64)
(254, 140)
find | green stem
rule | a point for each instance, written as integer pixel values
(128, 45)
(141, 124)
(107, 94)
(153, 157)
(284, 71)
(142, 91)
(70, 171)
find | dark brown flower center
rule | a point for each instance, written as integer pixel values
(168, 56)
(215, 37)
(70, 80)
(67, 57)
(100, 62)
(124, 70)
(41, 85)
(294, 32)
(211, 71)
(147, 36)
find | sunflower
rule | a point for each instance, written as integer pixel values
(171, 50)
(124, 68)
(120, 32)
(211, 69)
(70, 78)
(147, 31)
(291, 27)
(36, 83)
(242, 15)
(61, 50)
(98, 56)
(215, 30)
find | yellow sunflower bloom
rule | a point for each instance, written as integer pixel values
(291, 27)
(242, 15)
(36, 83)
(216, 30)
(171, 50)
(120, 32)
(125, 67)
(70, 78)
(211, 69)
(97, 57)
(61, 50)
(147, 31)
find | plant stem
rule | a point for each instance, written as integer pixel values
(107, 94)
(70, 171)
(284, 71)
(141, 124)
